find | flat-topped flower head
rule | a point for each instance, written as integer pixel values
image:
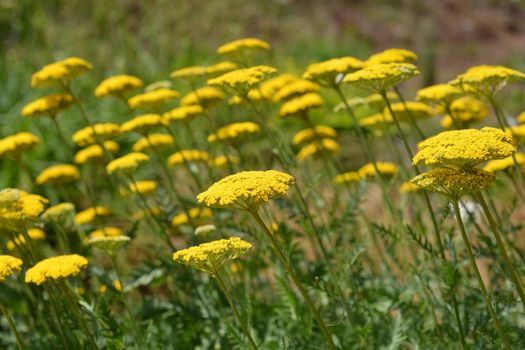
(95, 153)
(381, 77)
(310, 134)
(59, 212)
(198, 216)
(347, 177)
(89, 215)
(403, 111)
(234, 132)
(142, 124)
(56, 268)
(392, 56)
(127, 164)
(464, 111)
(300, 105)
(505, 163)
(246, 190)
(206, 97)
(153, 141)
(152, 100)
(48, 105)
(144, 187)
(220, 68)
(487, 80)
(188, 155)
(386, 169)
(8, 266)
(118, 85)
(376, 120)
(189, 73)
(60, 73)
(18, 208)
(223, 161)
(183, 113)
(439, 94)
(76, 65)
(59, 174)
(209, 257)
(242, 49)
(35, 234)
(242, 80)
(464, 148)
(14, 145)
(104, 131)
(319, 148)
(454, 182)
(295, 88)
(109, 244)
(327, 72)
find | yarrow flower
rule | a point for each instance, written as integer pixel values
(521, 118)
(56, 268)
(241, 49)
(59, 174)
(440, 94)
(60, 73)
(246, 190)
(209, 257)
(188, 155)
(310, 134)
(242, 80)
(392, 56)
(142, 124)
(95, 153)
(106, 231)
(35, 234)
(319, 148)
(12, 146)
(454, 182)
(8, 266)
(18, 208)
(233, 132)
(126, 164)
(89, 215)
(327, 72)
(155, 141)
(152, 100)
(220, 68)
(104, 131)
(368, 171)
(300, 105)
(505, 163)
(404, 111)
(269, 88)
(487, 80)
(108, 244)
(222, 161)
(58, 212)
(378, 119)
(48, 105)
(348, 177)
(294, 89)
(197, 215)
(183, 113)
(464, 111)
(188, 73)
(408, 187)
(143, 187)
(381, 77)
(206, 97)
(118, 85)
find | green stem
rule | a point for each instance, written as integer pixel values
(12, 326)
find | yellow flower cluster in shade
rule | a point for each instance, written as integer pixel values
(404, 111)
(521, 118)
(95, 153)
(294, 89)
(408, 187)
(59, 174)
(392, 56)
(381, 77)
(108, 244)
(220, 68)
(465, 110)
(106, 231)
(505, 163)
(198, 215)
(454, 182)
(142, 124)
(58, 212)
(242, 80)
(183, 113)
(8, 266)
(326, 72)
(143, 187)
(118, 85)
(385, 168)
(301, 104)
(60, 72)
(19, 208)
(348, 177)
(206, 97)
(242, 47)
(222, 161)
(487, 80)
(89, 215)
(152, 99)
(246, 190)
(440, 94)
(14, 145)
(233, 132)
(35, 234)
(321, 147)
(267, 89)
(157, 141)
(189, 73)
(142, 213)
(209, 257)
(464, 148)
(310, 134)
(56, 268)
(48, 105)
(103, 131)
(188, 155)
(126, 164)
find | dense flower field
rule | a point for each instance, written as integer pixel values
(230, 208)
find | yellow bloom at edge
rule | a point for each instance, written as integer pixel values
(242, 47)
(8, 266)
(56, 268)
(48, 105)
(19, 208)
(59, 174)
(381, 77)
(60, 72)
(505, 163)
(14, 145)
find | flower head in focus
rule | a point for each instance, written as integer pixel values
(381, 77)
(56, 268)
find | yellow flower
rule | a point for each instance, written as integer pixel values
(117, 85)
(386, 169)
(106, 231)
(59, 174)
(56, 268)
(14, 145)
(241, 48)
(442, 94)
(521, 118)
(189, 73)
(209, 257)
(222, 161)
(108, 244)
(518, 131)
(301, 104)
(76, 65)
(418, 110)
(142, 124)
(8, 266)
(505, 163)
(91, 214)
(326, 72)
(454, 182)
(152, 99)
(117, 285)
(156, 141)
(465, 110)
(104, 131)
(35, 234)
(310, 134)
(142, 213)
(18, 208)
(187, 155)
(206, 97)
(246, 190)
(95, 153)
(48, 105)
(408, 187)
(348, 177)
(392, 56)
(242, 80)
(126, 164)
(268, 88)
(60, 72)
(143, 187)
(161, 84)
(234, 131)
(464, 148)
(319, 148)
(198, 215)
(58, 212)
(183, 113)
(377, 119)
(220, 68)
(381, 77)
(294, 89)
(487, 80)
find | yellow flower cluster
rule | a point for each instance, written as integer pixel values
(222, 161)
(103, 131)
(117, 85)
(403, 111)
(58, 212)
(188, 155)
(60, 72)
(59, 174)
(189, 73)
(91, 214)
(310, 134)
(143, 187)
(35, 234)
(142, 124)
(56, 268)
(184, 113)
(18, 208)
(246, 190)
(242, 80)
(381, 77)
(108, 244)
(377, 119)
(106, 231)
(321, 147)
(442, 94)
(8, 266)
(505, 163)
(196, 214)
(270, 87)
(348, 177)
(242, 47)
(386, 169)
(142, 213)
(48, 105)
(408, 187)
(487, 80)
(12, 146)
(521, 118)
(220, 68)
(234, 131)
(156, 141)
(465, 110)
(454, 182)
(301, 104)
(205, 96)
(326, 72)
(152, 99)
(127, 163)
(294, 89)
(392, 56)
(95, 153)
(209, 257)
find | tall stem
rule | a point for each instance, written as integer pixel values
(12, 326)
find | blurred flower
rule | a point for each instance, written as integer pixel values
(242, 80)
(143, 187)
(369, 170)
(220, 68)
(19, 208)
(408, 187)
(301, 104)
(91, 214)
(35, 234)
(326, 72)
(348, 177)
(58, 212)
(188, 73)
(142, 124)
(56, 268)
(156, 141)
(206, 97)
(403, 111)
(95, 153)
(188, 155)
(14, 145)
(117, 85)
(295, 88)
(321, 147)
(198, 215)
(505, 163)
(59, 174)
(310, 134)
(241, 49)
(183, 113)
(8, 266)
(104, 131)
(106, 231)
(48, 105)
(392, 56)
(126, 164)
(440, 94)
(222, 161)
(109, 244)
(465, 110)
(152, 100)
(60, 73)
(233, 132)
(487, 80)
